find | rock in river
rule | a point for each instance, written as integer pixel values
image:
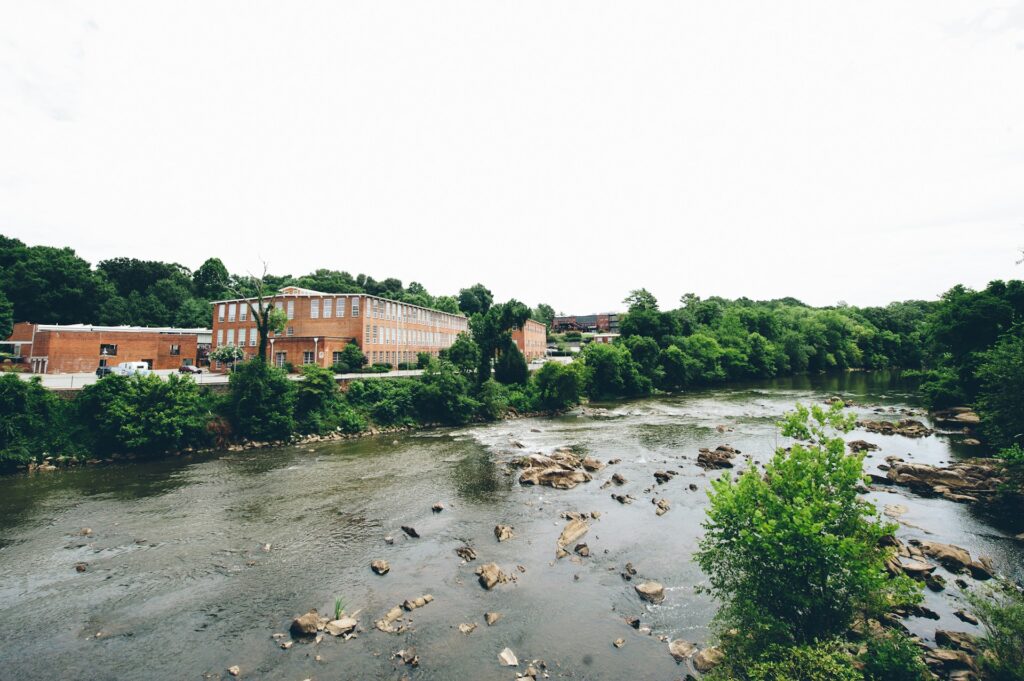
(573, 530)
(681, 650)
(411, 531)
(381, 567)
(491, 617)
(720, 457)
(507, 658)
(308, 624)
(503, 532)
(652, 592)
(707, 659)
(491, 575)
(340, 626)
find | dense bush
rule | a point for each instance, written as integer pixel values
(609, 371)
(261, 401)
(320, 406)
(1001, 611)
(893, 656)
(817, 661)
(352, 359)
(33, 424)
(444, 395)
(143, 414)
(794, 553)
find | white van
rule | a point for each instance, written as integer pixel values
(131, 368)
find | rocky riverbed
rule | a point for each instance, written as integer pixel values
(556, 547)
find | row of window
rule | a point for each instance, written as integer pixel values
(387, 335)
(395, 357)
(110, 350)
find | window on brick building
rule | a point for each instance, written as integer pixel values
(243, 311)
(252, 337)
(314, 308)
(336, 357)
(327, 307)
(279, 359)
(291, 310)
(291, 330)
(220, 312)
(231, 336)
(366, 334)
(175, 350)
(241, 337)
(307, 357)
(220, 336)
(108, 349)
(232, 310)
(340, 307)
(355, 306)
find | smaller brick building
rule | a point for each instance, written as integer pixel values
(532, 339)
(605, 322)
(73, 348)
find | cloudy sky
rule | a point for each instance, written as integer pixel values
(560, 152)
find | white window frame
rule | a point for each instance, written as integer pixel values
(328, 307)
(243, 311)
(291, 309)
(232, 311)
(314, 308)
(221, 309)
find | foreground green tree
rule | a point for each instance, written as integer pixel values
(795, 553)
(558, 385)
(320, 406)
(33, 424)
(261, 401)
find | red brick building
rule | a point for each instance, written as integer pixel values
(606, 322)
(320, 325)
(532, 339)
(72, 348)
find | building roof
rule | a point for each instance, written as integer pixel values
(120, 329)
(299, 292)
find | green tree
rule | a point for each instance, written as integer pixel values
(795, 553)
(48, 285)
(6, 317)
(610, 372)
(464, 353)
(558, 385)
(476, 299)
(510, 367)
(444, 396)
(320, 406)
(641, 299)
(211, 280)
(1000, 399)
(544, 314)
(261, 401)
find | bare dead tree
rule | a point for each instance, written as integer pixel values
(261, 306)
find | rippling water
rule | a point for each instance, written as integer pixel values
(178, 586)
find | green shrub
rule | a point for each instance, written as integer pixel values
(611, 372)
(827, 661)
(423, 359)
(940, 388)
(351, 360)
(34, 423)
(558, 386)
(1001, 611)
(261, 401)
(318, 402)
(387, 402)
(444, 395)
(794, 553)
(144, 414)
(893, 656)
(493, 398)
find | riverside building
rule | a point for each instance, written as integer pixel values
(72, 348)
(532, 339)
(319, 326)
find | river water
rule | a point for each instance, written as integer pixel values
(178, 585)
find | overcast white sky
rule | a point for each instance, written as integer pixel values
(559, 152)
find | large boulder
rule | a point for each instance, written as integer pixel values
(556, 477)
(308, 624)
(491, 575)
(653, 592)
(953, 558)
(681, 650)
(573, 530)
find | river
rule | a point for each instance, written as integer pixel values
(179, 586)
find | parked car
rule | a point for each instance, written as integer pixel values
(132, 368)
(189, 369)
(104, 371)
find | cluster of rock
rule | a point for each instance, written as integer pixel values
(857, 446)
(387, 623)
(912, 559)
(562, 469)
(719, 457)
(312, 623)
(964, 481)
(904, 427)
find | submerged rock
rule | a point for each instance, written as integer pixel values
(467, 629)
(466, 553)
(491, 617)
